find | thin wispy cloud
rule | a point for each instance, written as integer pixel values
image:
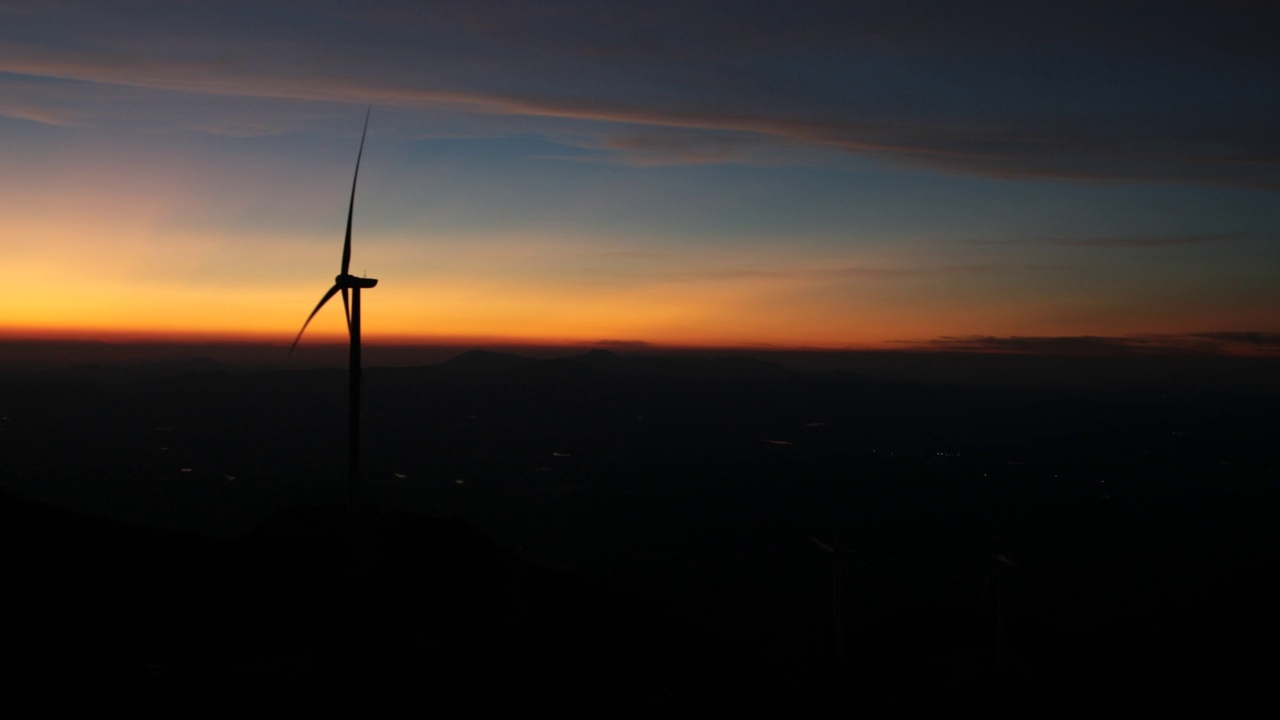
(1094, 95)
(656, 146)
(669, 269)
(665, 272)
(35, 113)
(859, 271)
(1144, 241)
(1090, 345)
(627, 254)
(39, 105)
(1141, 242)
(619, 344)
(1266, 340)
(236, 128)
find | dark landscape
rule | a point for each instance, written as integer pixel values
(636, 534)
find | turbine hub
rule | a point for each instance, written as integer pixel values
(351, 281)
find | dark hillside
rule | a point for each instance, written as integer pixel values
(643, 518)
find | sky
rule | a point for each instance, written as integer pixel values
(1021, 177)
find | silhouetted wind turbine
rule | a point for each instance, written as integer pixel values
(837, 577)
(348, 283)
(997, 572)
(837, 592)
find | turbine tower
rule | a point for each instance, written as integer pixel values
(837, 591)
(350, 286)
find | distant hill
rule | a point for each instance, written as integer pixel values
(150, 370)
(1144, 525)
(705, 369)
(485, 361)
(489, 365)
(314, 613)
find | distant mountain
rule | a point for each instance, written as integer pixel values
(141, 371)
(495, 368)
(315, 612)
(488, 365)
(726, 369)
(485, 361)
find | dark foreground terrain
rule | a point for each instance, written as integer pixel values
(604, 535)
(317, 613)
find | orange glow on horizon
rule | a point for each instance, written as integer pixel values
(147, 258)
(321, 339)
(328, 341)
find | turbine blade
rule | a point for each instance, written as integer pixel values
(346, 307)
(346, 244)
(332, 291)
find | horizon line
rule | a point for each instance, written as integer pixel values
(1205, 343)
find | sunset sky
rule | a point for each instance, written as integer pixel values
(985, 175)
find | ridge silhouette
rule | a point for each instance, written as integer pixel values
(311, 613)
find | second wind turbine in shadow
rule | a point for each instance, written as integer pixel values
(350, 287)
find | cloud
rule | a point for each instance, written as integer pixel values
(858, 271)
(35, 113)
(621, 268)
(1135, 241)
(1041, 345)
(627, 254)
(237, 127)
(734, 274)
(1261, 340)
(1141, 242)
(620, 344)
(1226, 342)
(681, 148)
(24, 102)
(1170, 92)
(657, 145)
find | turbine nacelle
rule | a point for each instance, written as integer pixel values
(345, 281)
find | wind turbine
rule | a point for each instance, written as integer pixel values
(837, 577)
(998, 563)
(350, 286)
(837, 591)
